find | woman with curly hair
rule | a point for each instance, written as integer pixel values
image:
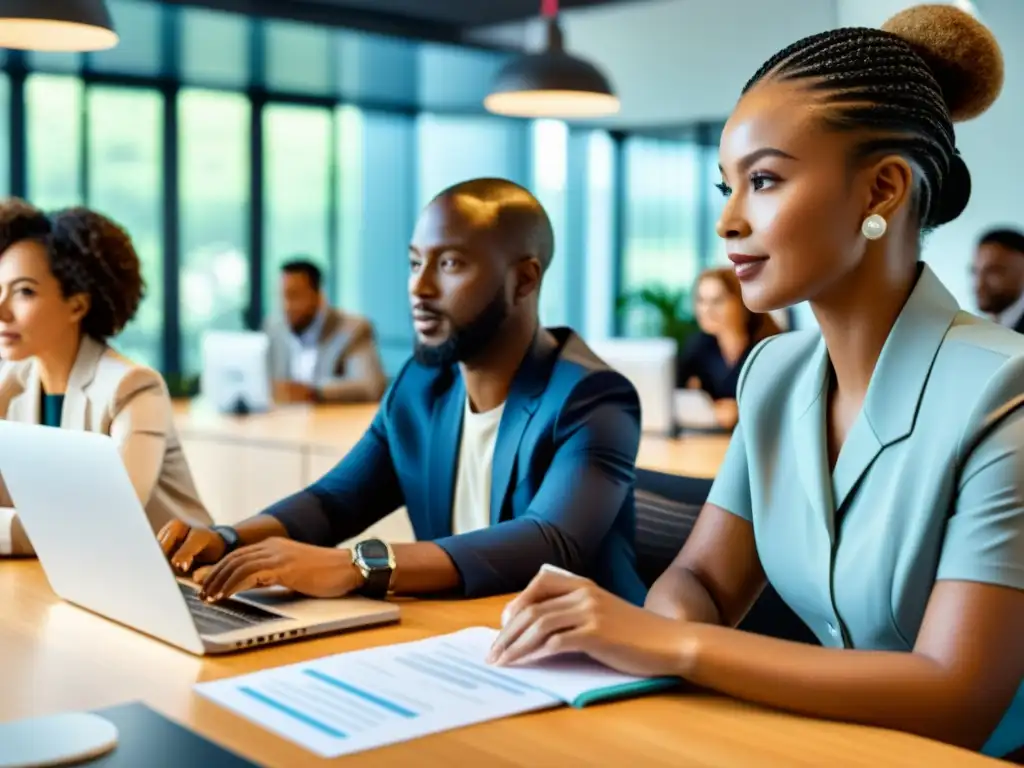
(876, 475)
(68, 283)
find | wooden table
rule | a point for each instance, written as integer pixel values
(335, 429)
(55, 657)
(242, 465)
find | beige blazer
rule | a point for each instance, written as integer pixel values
(348, 367)
(109, 394)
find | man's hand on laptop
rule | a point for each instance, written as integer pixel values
(303, 568)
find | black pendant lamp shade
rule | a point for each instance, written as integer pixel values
(56, 25)
(551, 84)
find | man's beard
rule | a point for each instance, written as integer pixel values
(468, 341)
(996, 305)
(301, 325)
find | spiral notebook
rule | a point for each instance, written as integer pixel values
(365, 699)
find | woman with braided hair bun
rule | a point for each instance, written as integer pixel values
(876, 475)
(68, 283)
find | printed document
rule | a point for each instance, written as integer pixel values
(365, 699)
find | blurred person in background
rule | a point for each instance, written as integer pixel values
(713, 358)
(318, 353)
(998, 271)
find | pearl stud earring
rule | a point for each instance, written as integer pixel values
(874, 227)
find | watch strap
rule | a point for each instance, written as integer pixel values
(376, 583)
(376, 579)
(229, 535)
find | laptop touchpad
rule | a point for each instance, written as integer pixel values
(270, 597)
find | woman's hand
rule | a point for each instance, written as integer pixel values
(559, 613)
(727, 413)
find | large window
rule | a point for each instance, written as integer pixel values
(125, 151)
(5, 136)
(355, 132)
(53, 133)
(661, 241)
(377, 157)
(299, 58)
(715, 246)
(550, 172)
(349, 272)
(716, 251)
(455, 148)
(298, 165)
(214, 212)
(215, 48)
(140, 51)
(599, 236)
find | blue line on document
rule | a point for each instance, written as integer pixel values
(428, 670)
(364, 695)
(293, 713)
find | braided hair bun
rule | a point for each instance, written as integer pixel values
(963, 55)
(901, 87)
(961, 52)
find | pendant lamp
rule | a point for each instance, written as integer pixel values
(551, 83)
(56, 25)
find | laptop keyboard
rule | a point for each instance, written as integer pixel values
(225, 616)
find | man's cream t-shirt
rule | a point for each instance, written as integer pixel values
(472, 508)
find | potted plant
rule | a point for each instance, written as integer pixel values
(182, 387)
(669, 308)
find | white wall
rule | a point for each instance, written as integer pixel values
(675, 61)
(871, 13)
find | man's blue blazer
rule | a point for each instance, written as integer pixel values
(562, 478)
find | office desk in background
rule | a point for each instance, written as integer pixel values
(243, 464)
(55, 657)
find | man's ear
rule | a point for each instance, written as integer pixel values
(891, 186)
(528, 275)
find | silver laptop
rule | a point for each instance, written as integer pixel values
(94, 542)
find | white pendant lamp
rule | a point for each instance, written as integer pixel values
(56, 25)
(551, 83)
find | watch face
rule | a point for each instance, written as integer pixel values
(374, 553)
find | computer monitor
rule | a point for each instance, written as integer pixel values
(650, 364)
(236, 371)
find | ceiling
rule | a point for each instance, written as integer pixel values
(461, 13)
(445, 20)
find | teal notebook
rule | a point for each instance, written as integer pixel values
(624, 691)
(577, 680)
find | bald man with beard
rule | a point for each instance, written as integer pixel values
(510, 445)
